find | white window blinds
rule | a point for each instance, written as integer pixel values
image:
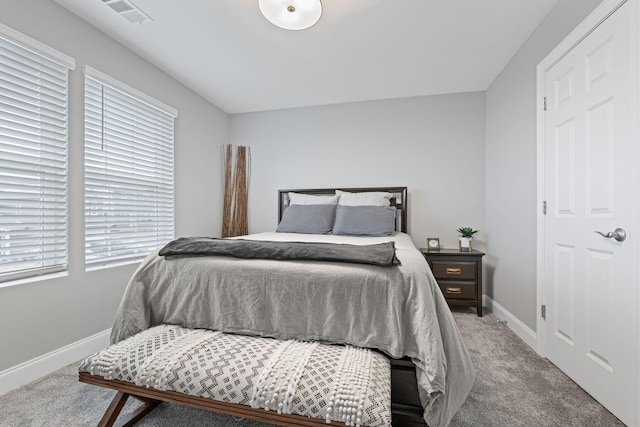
(33, 157)
(128, 174)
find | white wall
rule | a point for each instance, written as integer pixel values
(433, 145)
(511, 165)
(38, 317)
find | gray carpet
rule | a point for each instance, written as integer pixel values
(514, 387)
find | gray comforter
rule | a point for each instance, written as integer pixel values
(399, 310)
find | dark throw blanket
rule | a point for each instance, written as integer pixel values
(382, 254)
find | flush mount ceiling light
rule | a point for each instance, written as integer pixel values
(291, 14)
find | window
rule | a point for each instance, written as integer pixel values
(128, 172)
(33, 157)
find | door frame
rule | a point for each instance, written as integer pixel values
(600, 13)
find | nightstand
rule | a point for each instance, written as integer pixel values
(459, 275)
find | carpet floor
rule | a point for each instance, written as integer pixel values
(514, 387)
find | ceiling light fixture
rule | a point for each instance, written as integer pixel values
(291, 14)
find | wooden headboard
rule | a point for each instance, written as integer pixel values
(399, 200)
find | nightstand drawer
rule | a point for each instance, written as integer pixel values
(458, 290)
(454, 270)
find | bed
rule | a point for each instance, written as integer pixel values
(397, 310)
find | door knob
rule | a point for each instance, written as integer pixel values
(619, 234)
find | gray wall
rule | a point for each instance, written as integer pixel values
(45, 315)
(434, 145)
(442, 147)
(511, 165)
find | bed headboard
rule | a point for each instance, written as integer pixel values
(399, 200)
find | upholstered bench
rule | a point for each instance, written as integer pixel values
(280, 382)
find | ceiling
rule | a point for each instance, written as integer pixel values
(360, 50)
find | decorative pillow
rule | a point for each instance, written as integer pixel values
(308, 219)
(372, 198)
(309, 199)
(365, 220)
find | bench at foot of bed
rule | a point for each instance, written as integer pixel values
(152, 398)
(280, 382)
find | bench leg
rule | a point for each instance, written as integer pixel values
(111, 414)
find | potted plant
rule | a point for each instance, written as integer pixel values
(466, 235)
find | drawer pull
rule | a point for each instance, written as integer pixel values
(454, 290)
(453, 270)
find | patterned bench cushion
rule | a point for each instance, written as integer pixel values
(331, 382)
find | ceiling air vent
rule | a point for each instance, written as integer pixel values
(128, 11)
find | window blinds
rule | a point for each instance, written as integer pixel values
(129, 199)
(33, 160)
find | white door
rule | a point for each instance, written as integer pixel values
(590, 184)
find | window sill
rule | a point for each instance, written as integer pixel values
(94, 267)
(33, 279)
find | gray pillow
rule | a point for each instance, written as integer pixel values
(308, 219)
(365, 220)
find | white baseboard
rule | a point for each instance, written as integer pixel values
(523, 331)
(33, 369)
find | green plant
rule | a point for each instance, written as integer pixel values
(467, 232)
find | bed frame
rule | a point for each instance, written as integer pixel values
(406, 408)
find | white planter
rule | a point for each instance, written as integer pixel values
(465, 244)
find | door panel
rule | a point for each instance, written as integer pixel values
(600, 162)
(564, 302)
(564, 151)
(599, 335)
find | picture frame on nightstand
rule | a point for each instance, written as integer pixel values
(433, 244)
